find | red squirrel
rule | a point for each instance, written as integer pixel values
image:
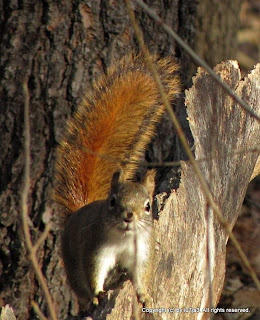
(97, 160)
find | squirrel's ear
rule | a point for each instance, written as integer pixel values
(149, 182)
(117, 177)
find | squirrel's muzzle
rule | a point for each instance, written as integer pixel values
(128, 216)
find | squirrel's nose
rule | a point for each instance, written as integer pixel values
(128, 216)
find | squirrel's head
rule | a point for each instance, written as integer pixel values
(131, 202)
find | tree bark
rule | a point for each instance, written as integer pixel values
(59, 48)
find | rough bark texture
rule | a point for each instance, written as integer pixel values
(215, 19)
(59, 47)
(221, 130)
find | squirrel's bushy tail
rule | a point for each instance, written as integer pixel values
(113, 124)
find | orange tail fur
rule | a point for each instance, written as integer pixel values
(116, 121)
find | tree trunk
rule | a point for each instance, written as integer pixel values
(59, 48)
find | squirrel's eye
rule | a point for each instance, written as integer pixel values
(147, 207)
(112, 202)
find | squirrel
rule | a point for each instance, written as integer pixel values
(108, 214)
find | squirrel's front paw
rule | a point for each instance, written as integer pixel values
(98, 297)
(144, 298)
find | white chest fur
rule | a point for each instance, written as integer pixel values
(121, 250)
